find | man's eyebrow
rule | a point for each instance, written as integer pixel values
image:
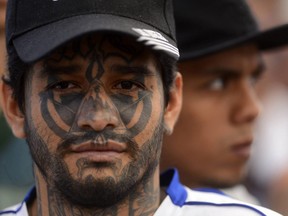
(219, 71)
(124, 69)
(258, 71)
(59, 69)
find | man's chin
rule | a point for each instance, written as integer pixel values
(94, 192)
(101, 175)
(98, 171)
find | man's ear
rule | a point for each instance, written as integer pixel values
(11, 110)
(174, 104)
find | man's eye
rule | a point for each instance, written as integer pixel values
(62, 85)
(217, 84)
(127, 85)
(254, 80)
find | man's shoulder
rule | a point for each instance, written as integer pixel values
(21, 208)
(182, 201)
(16, 210)
(215, 202)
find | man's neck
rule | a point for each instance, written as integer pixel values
(144, 201)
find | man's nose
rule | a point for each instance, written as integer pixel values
(247, 105)
(97, 111)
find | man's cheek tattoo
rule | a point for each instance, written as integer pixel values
(66, 109)
(132, 110)
(68, 106)
(128, 108)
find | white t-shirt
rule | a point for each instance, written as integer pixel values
(181, 201)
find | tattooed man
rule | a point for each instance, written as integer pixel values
(92, 102)
(92, 87)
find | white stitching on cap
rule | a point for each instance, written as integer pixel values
(157, 40)
(150, 33)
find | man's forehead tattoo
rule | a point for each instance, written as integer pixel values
(126, 46)
(133, 110)
(85, 46)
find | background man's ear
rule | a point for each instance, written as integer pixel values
(174, 104)
(11, 110)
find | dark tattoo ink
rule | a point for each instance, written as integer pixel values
(86, 195)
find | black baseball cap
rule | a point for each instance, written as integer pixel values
(204, 27)
(36, 27)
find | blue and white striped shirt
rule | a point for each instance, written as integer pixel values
(180, 201)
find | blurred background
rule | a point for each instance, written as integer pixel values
(268, 169)
(15, 164)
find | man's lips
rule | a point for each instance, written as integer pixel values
(99, 152)
(91, 146)
(243, 148)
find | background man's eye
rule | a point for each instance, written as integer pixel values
(217, 84)
(253, 80)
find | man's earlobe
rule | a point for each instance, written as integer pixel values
(11, 110)
(167, 130)
(174, 105)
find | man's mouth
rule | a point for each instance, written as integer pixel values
(94, 145)
(242, 148)
(99, 152)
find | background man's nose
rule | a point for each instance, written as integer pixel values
(247, 105)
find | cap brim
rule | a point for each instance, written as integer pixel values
(36, 44)
(265, 40)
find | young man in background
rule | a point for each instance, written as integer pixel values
(220, 60)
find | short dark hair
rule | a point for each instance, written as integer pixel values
(17, 72)
(168, 68)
